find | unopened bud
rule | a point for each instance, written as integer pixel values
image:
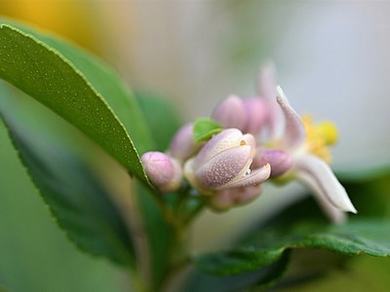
(224, 162)
(183, 145)
(279, 160)
(226, 199)
(163, 171)
(256, 111)
(230, 113)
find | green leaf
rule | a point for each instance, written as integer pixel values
(161, 116)
(205, 128)
(370, 237)
(202, 281)
(79, 202)
(302, 226)
(46, 75)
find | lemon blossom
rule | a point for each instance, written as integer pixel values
(307, 145)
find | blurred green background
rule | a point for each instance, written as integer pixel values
(332, 56)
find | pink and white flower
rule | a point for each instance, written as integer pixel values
(225, 162)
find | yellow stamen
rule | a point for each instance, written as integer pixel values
(329, 131)
(319, 137)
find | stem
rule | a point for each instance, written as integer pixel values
(180, 258)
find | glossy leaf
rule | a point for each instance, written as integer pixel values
(53, 80)
(203, 281)
(106, 82)
(370, 237)
(302, 226)
(205, 128)
(79, 202)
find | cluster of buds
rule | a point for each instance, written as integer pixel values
(229, 168)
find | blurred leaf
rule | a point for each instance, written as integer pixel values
(161, 117)
(205, 128)
(76, 198)
(202, 281)
(53, 80)
(362, 274)
(302, 226)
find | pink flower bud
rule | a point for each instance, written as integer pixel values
(226, 199)
(256, 111)
(279, 160)
(183, 144)
(163, 171)
(224, 162)
(230, 113)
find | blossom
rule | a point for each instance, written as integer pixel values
(224, 163)
(164, 172)
(307, 147)
(228, 169)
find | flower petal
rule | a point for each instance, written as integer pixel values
(257, 114)
(334, 214)
(326, 181)
(294, 133)
(280, 161)
(224, 167)
(253, 178)
(228, 138)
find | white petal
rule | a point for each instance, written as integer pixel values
(334, 214)
(254, 178)
(224, 167)
(227, 139)
(326, 181)
(294, 132)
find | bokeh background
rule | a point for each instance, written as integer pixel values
(333, 60)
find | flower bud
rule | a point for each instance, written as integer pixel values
(226, 199)
(230, 113)
(279, 160)
(183, 144)
(224, 162)
(163, 171)
(256, 111)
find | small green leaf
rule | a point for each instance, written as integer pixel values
(161, 116)
(205, 128)
(79, 202)
(53, 80)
